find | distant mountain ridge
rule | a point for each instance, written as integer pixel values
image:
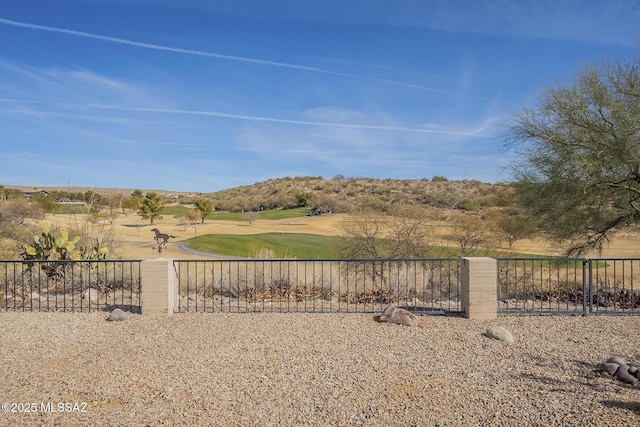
(339, 194)
(343, 193)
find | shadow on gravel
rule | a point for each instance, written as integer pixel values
(627, 406)
(135, 309)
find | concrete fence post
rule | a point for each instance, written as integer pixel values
(158, 283)
(479, 288)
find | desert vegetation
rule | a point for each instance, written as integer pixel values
(399, 210)
(577, 155)
(576, 183)
(340, 194)
(374, 219)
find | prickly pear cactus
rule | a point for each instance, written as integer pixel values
(98, 251)
(46, 246)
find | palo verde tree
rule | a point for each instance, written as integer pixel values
(577, 165)
(151, 206)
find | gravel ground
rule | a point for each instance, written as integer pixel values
(313, 369)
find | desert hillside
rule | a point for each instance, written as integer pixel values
(339, 194)
(444, 199)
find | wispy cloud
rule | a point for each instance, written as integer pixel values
(289, 121)
(258, 61)
(328, 117)
(593, 21)
(596, 21)
(26, 84)
(167, 48)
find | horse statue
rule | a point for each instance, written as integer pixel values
(161, 238)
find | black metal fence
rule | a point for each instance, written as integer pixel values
(69, 285)
(568, 286)
(428, 286)
(421, 285)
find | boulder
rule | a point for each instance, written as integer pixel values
(499, 333)
(117, 315)
(400, 316)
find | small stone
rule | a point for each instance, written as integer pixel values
(609, 368)
(623, 375)
(117, 315)
(400, 316)
(499, 333)
(616, 359)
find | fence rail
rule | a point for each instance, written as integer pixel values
(568, 286)
(70, 285)
(421, 285)
(428, 286)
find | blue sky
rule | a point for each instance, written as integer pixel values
(203, 95)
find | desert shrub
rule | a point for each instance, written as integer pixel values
(468, 204)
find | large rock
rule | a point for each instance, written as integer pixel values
(400, 316)
(618, 368)
(117, 315)
(499, 333)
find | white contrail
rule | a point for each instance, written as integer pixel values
(286, 121)
(168, 48)
(476, 133)
(236, 58)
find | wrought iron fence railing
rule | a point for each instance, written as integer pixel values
(421, 285)
(568, 286)
(429, 286)
(78, 285)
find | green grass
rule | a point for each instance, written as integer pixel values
(296, 245)
(453, 252)
(285, 245)
(175, 211)
(226, 216)
(66, 209)
(272, 214)
(275, 214)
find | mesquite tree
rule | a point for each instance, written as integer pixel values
(577, 166)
